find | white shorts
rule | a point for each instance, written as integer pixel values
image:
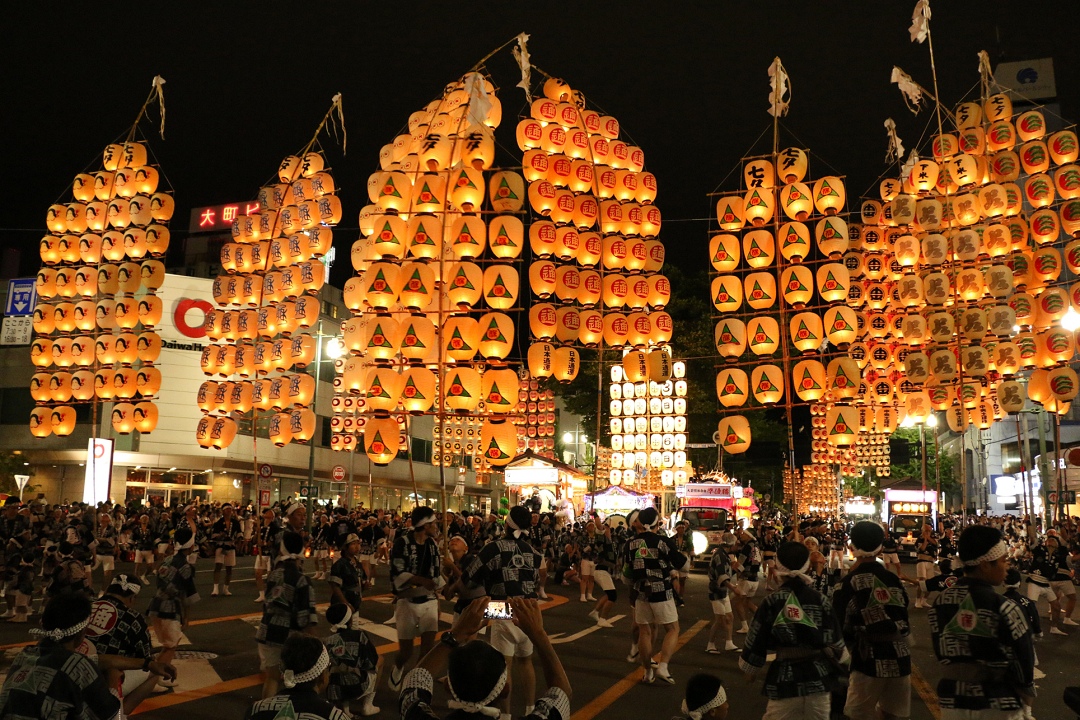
(324, 553)
(225, 557)
(925, 570)
(1063, 588)
(262, 562)
(367, 559)
(748, 587)
(144, 556)
(588, 567)
(507, 638)
(890, 558)
(1036, 591)
(107, 562)
(866, 694)
(414, 619)
(953, 714)
(808, 707)
(721, 607)
(163, 548)
(603, 580)
(269, 656)
(169, 632)
(661, 613)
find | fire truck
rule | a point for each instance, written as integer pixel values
(905, 512)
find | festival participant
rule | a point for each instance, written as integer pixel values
(1062, 580)
(106, 548)
(476, 673)
(769, 543)
(927, 557)
(372, 538)
(269, 530)
(354, 661)
(1042, 567)
(320, 546)
(415, 578)
(306, 674)
(143, 540)
(799, 624)
(587, 564)
(51, 680)
(455, 589)
(510, 568)
(224, 535)
(347, 576)
(652, 563)
(163, 528)
(705, 698)
(606, 561)
(749, 568)
(720, 584)
(175, 593)
(871, 606)
(289, 607)
(982, 640)
(122, 640)
(890, 551)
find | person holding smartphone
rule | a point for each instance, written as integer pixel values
(510, 568)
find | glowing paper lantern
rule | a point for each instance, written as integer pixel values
(734, 434)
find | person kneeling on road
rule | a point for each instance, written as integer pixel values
(705, 698)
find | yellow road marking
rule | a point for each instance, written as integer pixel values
(927, 693)
(602, 701)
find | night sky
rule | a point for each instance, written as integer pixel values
(248, 82)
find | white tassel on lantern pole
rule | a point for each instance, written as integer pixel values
(157, 84)
(780, 89)
(340, 121)
(479, 104)
(521, 54)
(911, 90)
(920, 21)
(896, 145)
(986, 75)
(909, 164)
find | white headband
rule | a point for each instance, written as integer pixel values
(483, 706)
(121, 582)
(720, 699)
(189, 543)
(292, 679)
(998, 551)
(284, 554)
(421, 523)
(60, 633)
(518, 532)
(344, 621)
(801, 573)
(866, 553)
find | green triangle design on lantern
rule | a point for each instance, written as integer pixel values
(378, 276)
(503, 238)
(761, 385)
(807, 376)
(427, 190)
(467, 235)
(416, 391)
(966, 621)
(796, 289)
(736, 391)
(793, 613)
(392, 238)
(720, 255)
(494, 324)
(881, 595)
(393, 188)
(422, 232)
(510, 195)
(767, 341)
(755, 200)
(732, 438)
(840, 374)
(465, 285)
(378, 333)
(494, 452)
(828, 231)
(468, 180)
(376, 390)
(417, 343)
(457, 336)
(827, 190)
(840, 323)
(416, 276)
(496, 391)
(793, 196)
(498, 283)
(755, 246)
(840, 427)
(757, 288)
(457, 381)
(793, 238)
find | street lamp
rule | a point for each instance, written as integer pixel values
(334, 348)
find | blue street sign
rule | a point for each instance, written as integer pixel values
(21, 297)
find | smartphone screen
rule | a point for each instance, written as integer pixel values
(498, 610)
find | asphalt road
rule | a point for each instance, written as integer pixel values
(219, 676)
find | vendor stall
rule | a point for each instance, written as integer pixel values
(542, 483)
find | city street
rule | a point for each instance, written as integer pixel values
(219, 675)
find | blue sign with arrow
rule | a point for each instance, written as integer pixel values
(21, 297)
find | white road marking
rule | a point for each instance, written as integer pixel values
(582, 633)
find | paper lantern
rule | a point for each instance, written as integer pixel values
(1070, 217)
(590, 288)
(796, 201)
(615, 290)
(833, 282)
(123, 420)
(809, 380)
(759, 248)
(840, 325)
(381, 440)
(724, 252)
(616, 329)
(660, 366)
(732, 387)
(829, 195)
(759, 289)
(758, 206)
(565, 364)
(841, 426)
(382, 338)
(727, 293)
(734, 434)
(730, 212)
(41, 422)
(466, 282)
(497, 335)
(842, 377)
(468, 237)
(383, 283)
(807, 331)
(462, 390)
(63, 420)
(762, 334)
(797, 285)
(767, 383)
(567, 324)
(794, 241)
(635, 365)
(498, 442)
(461, 337)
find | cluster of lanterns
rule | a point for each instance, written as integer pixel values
(648, 429)
(94, 324)
(780, 258)
(596, 258)
(436, 278)
(536, 417)
(267, 299)
(817, 490)
(962, 262)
